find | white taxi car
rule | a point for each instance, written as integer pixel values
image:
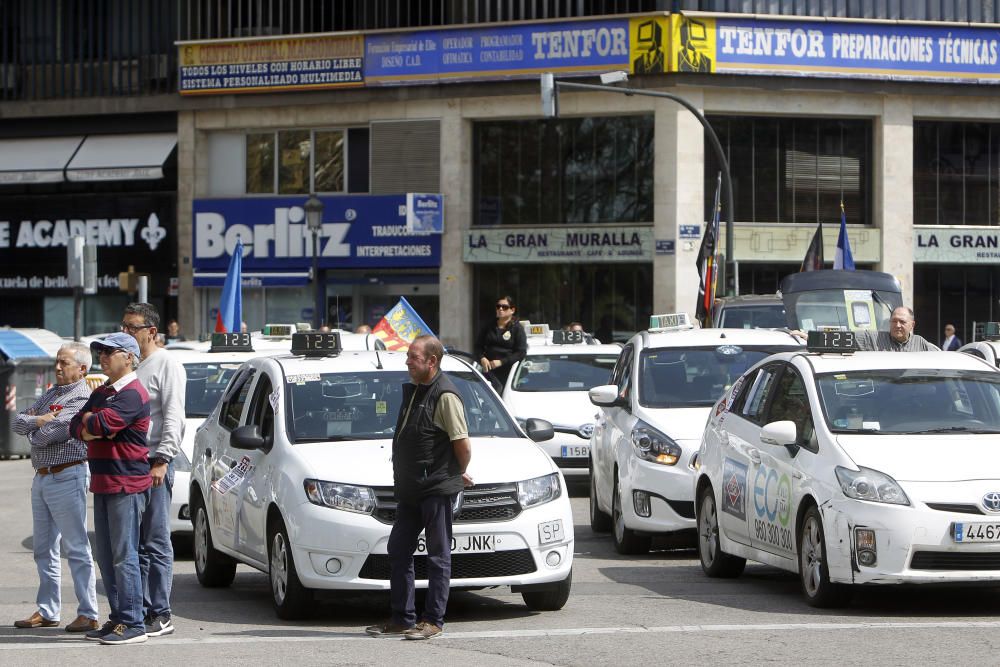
(209, 366)
(653, 413)
(861, 468)
(293, 476)
(989, 348)
(551, 383)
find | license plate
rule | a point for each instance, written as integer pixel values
(465, 544)
(976, 532)
(550, 531)
(575, 451)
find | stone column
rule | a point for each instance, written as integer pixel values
(893, 201)
(188, 177)
(455, 279)
(678, 198)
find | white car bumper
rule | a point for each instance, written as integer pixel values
(671, 497)
(334, 549)
(180, 513)
(913, 545)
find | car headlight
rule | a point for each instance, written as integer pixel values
(539, 490)
(347, 497)
(653, 446)
(870, 485)
(181, 462)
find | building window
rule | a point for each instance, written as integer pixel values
(956, 173)
(794, 169)
(307, 161)
(565, 171)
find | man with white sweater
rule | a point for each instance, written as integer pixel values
(165, 381)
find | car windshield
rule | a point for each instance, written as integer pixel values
(842, 309)
(364, 406)
(757, 316)
(678, 377)
(206, 381)
(911, 401)
(563, 372)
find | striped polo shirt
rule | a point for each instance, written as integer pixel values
(118, 458)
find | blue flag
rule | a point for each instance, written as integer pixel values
(843, 259)
(230, 315)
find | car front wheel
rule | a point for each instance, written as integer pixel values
(600, 522)
(549, 600)
(214, 568)
(714, 561)
(814, 572)
(291, 599)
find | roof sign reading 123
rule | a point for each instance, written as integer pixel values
(316, 343)
(231, 342)
(831, 341)
(561, 337)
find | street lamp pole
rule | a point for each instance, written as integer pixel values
(314, 221)
(550, 109)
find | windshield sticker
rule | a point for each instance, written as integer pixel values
(232, 479)
(381, 407)
(734, 490)
(871, 426)
(302, 378)
(575, 385)
(839, 376)
(854, 388)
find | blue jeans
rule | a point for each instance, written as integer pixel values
(433, 516)
(59, 511)
(156, 553)
(117, 517)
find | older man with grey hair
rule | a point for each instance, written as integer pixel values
(59, 493)
(899, 337)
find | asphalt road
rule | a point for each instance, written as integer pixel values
(656, 609)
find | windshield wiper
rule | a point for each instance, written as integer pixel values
(942, 429)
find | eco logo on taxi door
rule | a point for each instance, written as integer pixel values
(772, 495)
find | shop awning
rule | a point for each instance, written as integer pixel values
(121, 157)
(28, 343)
(254, 279)
(36, 160)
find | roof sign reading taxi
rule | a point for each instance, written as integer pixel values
(231, 342)
(536, 329)
(670, 322)
(316, 343)
(831, 341)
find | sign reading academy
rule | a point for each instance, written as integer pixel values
(136, 230)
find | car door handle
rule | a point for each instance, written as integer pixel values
(753, 455)
(208, 452)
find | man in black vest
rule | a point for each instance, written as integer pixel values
(430, 454)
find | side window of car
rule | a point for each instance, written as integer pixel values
(235, 398)
(624, 359)
(976, 353)
(791, 403)
(756, 400)
(741, 391)
(261, 411)
(625, 382)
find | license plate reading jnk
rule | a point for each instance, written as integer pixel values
(467, 544)
(976, 532)
(575, 451)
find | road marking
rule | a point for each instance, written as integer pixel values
(529, 634)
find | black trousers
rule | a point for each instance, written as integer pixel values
(433, 516)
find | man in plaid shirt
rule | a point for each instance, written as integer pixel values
(59, 492)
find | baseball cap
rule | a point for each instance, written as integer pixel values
(117, 341)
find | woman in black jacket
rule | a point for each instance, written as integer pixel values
(501, 343)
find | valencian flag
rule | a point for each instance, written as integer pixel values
(708, 262)
(843, 259)
(230, 315)
(813, 260)
(400, 326)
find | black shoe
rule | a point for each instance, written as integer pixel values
(157, 626)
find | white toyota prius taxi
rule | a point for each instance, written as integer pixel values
(653, 412)
(551, 383)
(854, 468)
(293, 476)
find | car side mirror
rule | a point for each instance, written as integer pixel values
(783, 433)
(538, 430)
(247, 437)
(605, 396)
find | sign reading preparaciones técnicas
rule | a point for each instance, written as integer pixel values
(560, 244)
(956, 245)
(297, 63)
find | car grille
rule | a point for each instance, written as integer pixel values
(571, 462)
(684, 508)
(955, 560)
(960, 508)
(463, 566)
(481, 503)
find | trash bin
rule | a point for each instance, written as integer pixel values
(27, 370)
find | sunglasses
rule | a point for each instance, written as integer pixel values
(503, 306)
(109, 351)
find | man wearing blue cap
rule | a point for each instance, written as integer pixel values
(114, 422)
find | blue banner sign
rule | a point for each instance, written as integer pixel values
(359, 232)
(502, 51)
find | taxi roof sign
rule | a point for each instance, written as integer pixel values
(831, 341)
(562, 337)
(316, 343)
(670, 322)
(991, 330)
(231, 342)
(536, 329)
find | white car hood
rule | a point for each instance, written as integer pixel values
(678, 423)
(563, 408)
(369, 462)
(926, 458)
